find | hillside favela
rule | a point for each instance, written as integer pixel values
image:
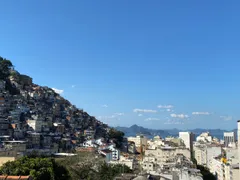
(119, 90)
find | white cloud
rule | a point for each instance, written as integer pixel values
(140, 115)
(58, 91)
(99, 117)
(152, 119)
(226, 118)
(200, 113)
(165, 106)
(119, 114)
(144, 111)
(181, 116)
(114, 116)
(106, 117)
(104, 106)
(169, 122)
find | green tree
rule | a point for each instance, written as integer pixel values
(5, 66)
(87, 167)
(110, 171)
(25, 80)
(116, 136)
(60, 172)
(38, 168)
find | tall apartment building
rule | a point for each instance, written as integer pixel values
(140, 142)
(188, 138)
(222, 171)
(204, 153)
(162, 155)
(229, 137)
(239, 144)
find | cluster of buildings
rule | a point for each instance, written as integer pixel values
(177, 158)
(219, 156)
(170, 158)
(37, 119)
(157, 158)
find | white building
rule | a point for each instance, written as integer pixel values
(204, 153)
(99, 142)
(188, 138)
(35, 124)
(200, 154)
(115, 153)
(149, 163)
(205, 137)
(89, 143)
(229, 137)
(232, 154)
(223, 170)
(165, 154)
(34, 95)
(153, 144)
(131, 163)
(140, 142)
(238, 123)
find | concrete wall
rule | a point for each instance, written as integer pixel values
(6, 159)
(235, 174)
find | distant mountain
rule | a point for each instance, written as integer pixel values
(135, 129)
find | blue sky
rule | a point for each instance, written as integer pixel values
(159, 64)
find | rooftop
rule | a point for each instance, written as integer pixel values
(14, 141)
(15, 177)
(64, 154)
(106, 151)
(167, 148)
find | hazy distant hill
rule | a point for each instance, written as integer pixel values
(135, 129)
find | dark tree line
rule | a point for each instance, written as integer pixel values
(207, 175)
(116, 136)
(5, 67)
(38, 168)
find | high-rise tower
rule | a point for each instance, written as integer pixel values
(238, 124)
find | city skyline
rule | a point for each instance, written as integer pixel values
(160, 65)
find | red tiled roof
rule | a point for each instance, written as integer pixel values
(3, 177)
(25, 177)
(15, 177)
(12, 177)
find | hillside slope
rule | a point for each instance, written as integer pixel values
(27, 107)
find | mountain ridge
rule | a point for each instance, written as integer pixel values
(135, 129)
